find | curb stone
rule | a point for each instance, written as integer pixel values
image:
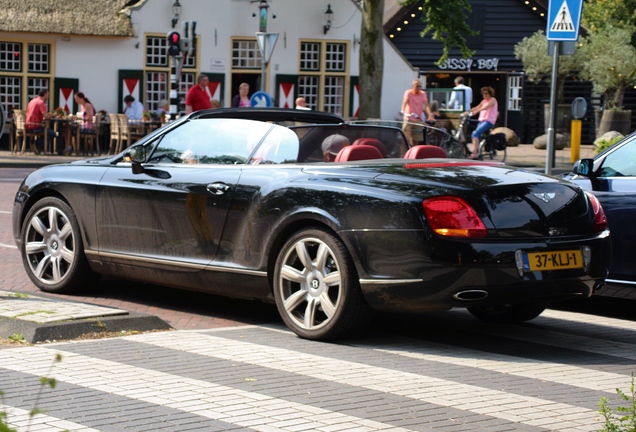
(40, 319)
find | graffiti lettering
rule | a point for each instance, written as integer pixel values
(468, 64)
(457, 64)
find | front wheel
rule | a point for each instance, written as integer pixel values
(488, 152)
(52, 248)
(507, 313)
(454, 149)
(316, 288)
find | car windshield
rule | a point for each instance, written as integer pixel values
(621, 162)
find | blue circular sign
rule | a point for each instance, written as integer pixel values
(261, 99)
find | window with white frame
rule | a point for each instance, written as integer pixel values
(322, 76)
(514, 93)
(157, 72)
(245, 54)
(23, 76)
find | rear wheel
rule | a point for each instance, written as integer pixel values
(52, 248)
(316, 288)
(506, 313)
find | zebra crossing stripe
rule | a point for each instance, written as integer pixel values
(20, 418)
(214, 401)
(533, 369)
(597, 345)
(518, 408)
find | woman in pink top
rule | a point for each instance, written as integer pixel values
(84, 118)
(488, 111)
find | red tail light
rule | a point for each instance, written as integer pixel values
(600, 220)
(453, 217)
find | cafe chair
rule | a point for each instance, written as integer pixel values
(114, 134)
(124, 132)
(27, 135)
(90, 138)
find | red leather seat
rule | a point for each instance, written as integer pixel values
(372, 142)
(358, 152)
(425, 152)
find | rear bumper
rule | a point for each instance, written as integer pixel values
(444, 274)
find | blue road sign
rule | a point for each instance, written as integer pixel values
(564, 18)
(261, 99)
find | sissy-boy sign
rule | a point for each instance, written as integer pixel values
(470, 64)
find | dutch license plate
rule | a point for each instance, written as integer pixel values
(555, 260)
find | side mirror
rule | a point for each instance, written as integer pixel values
(136, 155)
(584, 167)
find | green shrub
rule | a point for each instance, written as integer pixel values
(44, 382)
(625, 423)
(603, 144)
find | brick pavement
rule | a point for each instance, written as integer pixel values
(445, 371)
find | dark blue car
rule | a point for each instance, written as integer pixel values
(611, 176)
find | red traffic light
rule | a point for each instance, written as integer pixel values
(174, 43)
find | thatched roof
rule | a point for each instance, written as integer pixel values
(67, 17)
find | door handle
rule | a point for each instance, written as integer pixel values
(218, 188)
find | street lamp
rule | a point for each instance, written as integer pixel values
(328, 19)
(176, 13)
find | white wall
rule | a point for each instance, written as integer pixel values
(97, 60)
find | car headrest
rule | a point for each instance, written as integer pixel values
(358, 152)
(425, 152)
(372, 142)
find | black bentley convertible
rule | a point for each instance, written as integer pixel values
(225, 202)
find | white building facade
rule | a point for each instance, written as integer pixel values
(307, 60)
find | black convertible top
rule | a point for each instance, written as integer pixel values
(270, 114)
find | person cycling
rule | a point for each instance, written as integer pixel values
(488, 110)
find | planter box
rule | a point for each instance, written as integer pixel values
(619, 121)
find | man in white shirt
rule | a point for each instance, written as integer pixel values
(134, 109)
(301, 104)
(457, 97)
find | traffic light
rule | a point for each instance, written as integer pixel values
(192, 45)
(174, 43)
(189, 33)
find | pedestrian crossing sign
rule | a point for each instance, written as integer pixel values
(564, 17)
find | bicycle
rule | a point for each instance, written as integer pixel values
(492, 147)
(441, 138)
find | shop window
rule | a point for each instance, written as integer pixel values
(323, 74)
(23, 76)
(514, 93)
(245, 54)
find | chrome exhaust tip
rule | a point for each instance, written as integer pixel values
(598, 286)
(470, 295)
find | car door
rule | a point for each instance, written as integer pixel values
(174, 210)
(614, 184)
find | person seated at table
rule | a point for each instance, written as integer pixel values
(83, 119)
(35, 115)
(134, 109)
(164, 108)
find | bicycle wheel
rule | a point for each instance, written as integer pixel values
(454, 149)
(488, 152)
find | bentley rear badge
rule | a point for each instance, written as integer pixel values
(545, 196)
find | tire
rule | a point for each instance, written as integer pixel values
(316, 289)
(52, 248)
(454, 149)
(491, 154)
(516, 313)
